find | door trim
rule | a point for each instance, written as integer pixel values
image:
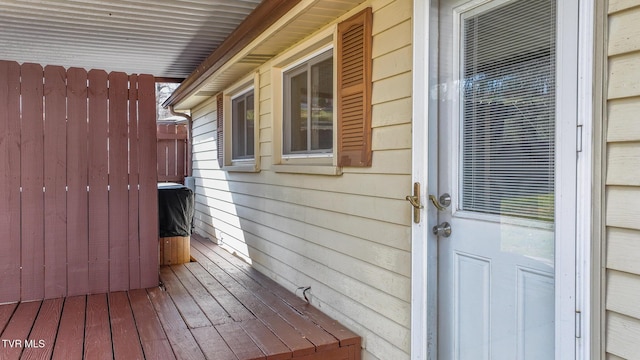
(573, 274)
(424, 340)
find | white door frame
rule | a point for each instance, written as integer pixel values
(574, 267)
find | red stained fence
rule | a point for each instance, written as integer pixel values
(78, 182)
(172, 152)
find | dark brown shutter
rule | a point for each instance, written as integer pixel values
(220, 132)
(353, 56)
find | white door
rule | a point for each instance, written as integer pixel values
(498, 105)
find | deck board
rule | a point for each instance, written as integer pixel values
(97, 341)
(216, 308)
(320, 338)
(6, 311)
(126, 343)
(152, 336)
(44, 330)
(18, 329)
(182, 341)
(272, 347)
(210, 307)
(248, 299)
(240, 342)
(230, 303)
(70, 341)
(190, 311)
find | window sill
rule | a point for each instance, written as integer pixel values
(327, 170)
(249, 168)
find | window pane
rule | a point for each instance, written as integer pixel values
(508, 111)
(298, 112)
(238, 128)
(250, 125)
(243, 126)
(322, 105)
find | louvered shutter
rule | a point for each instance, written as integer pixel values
(353, 56)
(220, 132)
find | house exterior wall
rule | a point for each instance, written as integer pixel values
(347, 236)
(623, 181)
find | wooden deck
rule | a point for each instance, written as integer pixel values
(215, 308)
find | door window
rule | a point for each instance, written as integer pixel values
(508, 110)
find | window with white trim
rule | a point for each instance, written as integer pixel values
(243, 126)
(321, 92)
(309, 107)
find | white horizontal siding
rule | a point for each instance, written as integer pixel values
(623, 120)
(623, 182)
(347, 236)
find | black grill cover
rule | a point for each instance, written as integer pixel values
(175, 209)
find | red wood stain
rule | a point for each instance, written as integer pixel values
(98, 167)
(10, 181)
(55, 181)
(42, 337)
(32, 181)
(77, 181)
(118, 182)
(134, 180)
(70, 174)
(148, 194)
(126, 343)
(70, 341)
(18, 329)
(97, 340)
(157, 324)
(152, 336)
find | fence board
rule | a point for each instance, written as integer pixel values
(10, 180)
(55, 182)
(163, 154)
(98, 182)
(148, 196)
(134, 238)
(181, 159)
(77, 181)
(172, 152)
(32, 180)
(118, 181)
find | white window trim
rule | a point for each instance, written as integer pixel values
(311, 59)
(320, 163)
(242, 87)
(424, 338)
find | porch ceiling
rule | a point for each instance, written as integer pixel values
(166, 38)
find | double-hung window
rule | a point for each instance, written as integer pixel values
(309, 107)
(243, 126)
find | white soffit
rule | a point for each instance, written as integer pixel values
(304, 20)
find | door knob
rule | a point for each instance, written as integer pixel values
(443, 229)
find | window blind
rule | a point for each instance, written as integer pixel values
(508, 110)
